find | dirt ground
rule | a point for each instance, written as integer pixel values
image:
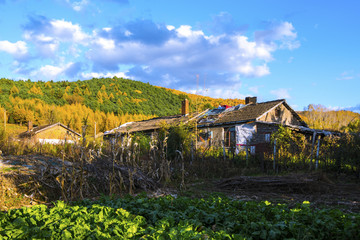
(36, 175)
(316, 188)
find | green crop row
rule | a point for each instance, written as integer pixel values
(177, 218)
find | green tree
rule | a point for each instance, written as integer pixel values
(353, 126)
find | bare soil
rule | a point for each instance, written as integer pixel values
(317, 188)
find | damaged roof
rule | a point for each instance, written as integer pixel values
(154, 123)
(214, 117)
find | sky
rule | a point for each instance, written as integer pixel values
(307, 52)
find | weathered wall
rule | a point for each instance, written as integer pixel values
(261, 131)
(262, 145)
(218, 136)
(284, 116)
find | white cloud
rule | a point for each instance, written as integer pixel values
(50, 72)
(172, 55)
(167, 80)
(295, 107)
(218, 91)
(254, 89)
(17, 49)
(103, 75)
(170, 27)
(333, 108)
(281, 93)
(50, 34)
(57, 30)
(67, 31)
(78, 6)
(347, 75)
(185, 31)
(107, 44)
(283, 32)
(190, 50)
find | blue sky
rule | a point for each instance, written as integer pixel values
(305, 51)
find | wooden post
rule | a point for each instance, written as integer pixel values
(274, 163)
(95, 131)
(247, 155)
(4, 120)
(223, 146)
(312, 148)
(192, 152)
(317, 154)
(196, 136)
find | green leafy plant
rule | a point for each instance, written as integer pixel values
(216, 217)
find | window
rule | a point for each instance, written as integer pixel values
(267, 137)
(277, 112)
(229, 137)
(205, 136)
(252, 150)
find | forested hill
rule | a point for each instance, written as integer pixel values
(112, 101)
(107, 101)
(319, 117)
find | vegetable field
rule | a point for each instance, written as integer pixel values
(177, 218)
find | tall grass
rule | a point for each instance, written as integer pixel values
(126, 162)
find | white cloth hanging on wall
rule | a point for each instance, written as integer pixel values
(244, 133)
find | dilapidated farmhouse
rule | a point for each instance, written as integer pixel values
(246, 125)
(56, 133)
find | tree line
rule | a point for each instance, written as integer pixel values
(107, 101)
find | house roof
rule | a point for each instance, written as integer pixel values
(248, 112)
(39, 129)
(251, 112)
(154, 123)
(214, 117)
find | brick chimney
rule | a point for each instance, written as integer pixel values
(250, 100)
(185, 107)
(30, 126)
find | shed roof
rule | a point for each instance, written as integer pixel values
(39, 129)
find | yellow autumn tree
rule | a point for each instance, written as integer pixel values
(87, 92)
(48, 84)
(14, 90)
(105, 95)
(35, 90)
(77, 90)
(99, 97)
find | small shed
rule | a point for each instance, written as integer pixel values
(56, 133)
